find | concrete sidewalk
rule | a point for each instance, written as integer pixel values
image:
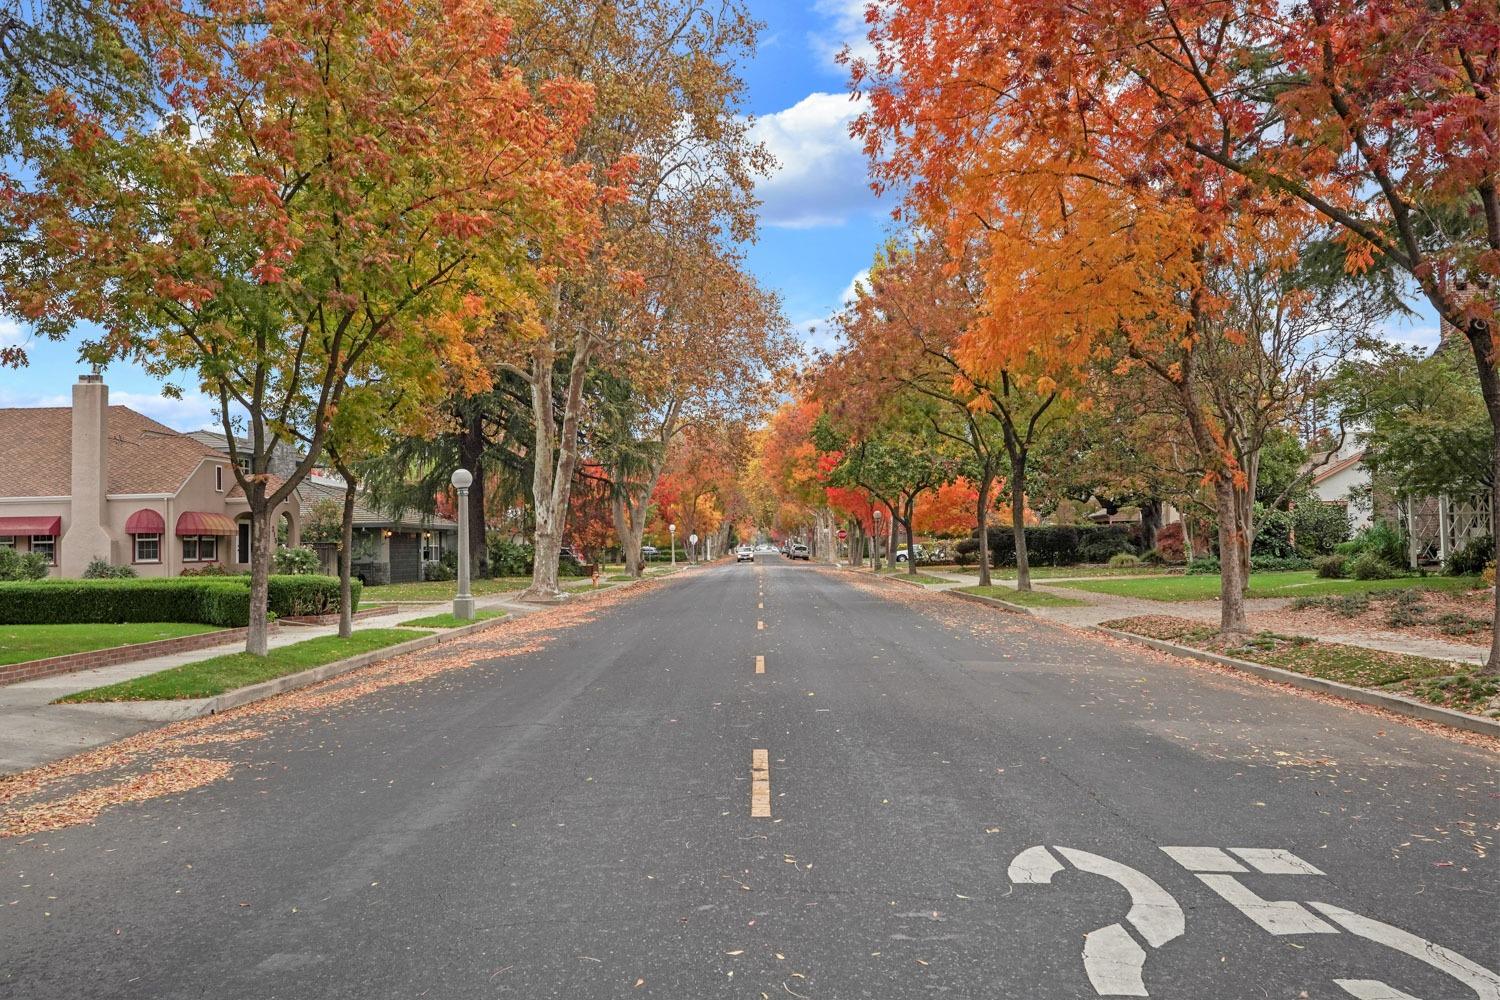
(34, 731)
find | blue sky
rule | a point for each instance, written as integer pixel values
(820, 224)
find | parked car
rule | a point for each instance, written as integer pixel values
(799, 551)
(902, 554)
(744, 554)
(649, 552)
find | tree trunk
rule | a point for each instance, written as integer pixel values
(1232, 559)
(982, 515)
(262, 550)
(890, 537)
(625, 531)
(346, 556)
(1018, 521)
(911, 542)
(554, 461)
(1481, 342)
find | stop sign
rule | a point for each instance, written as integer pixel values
(843, 534)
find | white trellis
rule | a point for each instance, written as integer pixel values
(1438, 527)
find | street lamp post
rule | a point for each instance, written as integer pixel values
(463, 604)
(672, 528)
(875, 542)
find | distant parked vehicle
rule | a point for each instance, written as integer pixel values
(649, 552)
(799, 551)
(744, 554)
(902, 554)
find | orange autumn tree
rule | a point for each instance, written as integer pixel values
(1095, 247)
(332, 194)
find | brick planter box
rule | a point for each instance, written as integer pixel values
(68, 663)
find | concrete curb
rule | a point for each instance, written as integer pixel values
(266, 689)
(995, 602)
(1400, 704)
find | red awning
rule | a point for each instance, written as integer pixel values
(39, 524)
(145, 522)
(201, 522)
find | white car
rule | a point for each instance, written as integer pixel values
(744, 554)
(901, 553)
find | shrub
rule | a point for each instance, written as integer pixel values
(1472, 558)
(307, 595)
(1488, 576)
(1331, 567)
(225, 603)
(1050, 545)
(1169, 543)
(22, 565)
(296, 560)
(99, 569)
(1371, 566)
(1379, 538)
(438, 570)
(1276, 564)
(211, 569)
(1153, 557)
(1124, 559)
(508, 558)
(1204, 565)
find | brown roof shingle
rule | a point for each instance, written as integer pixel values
(36, 453)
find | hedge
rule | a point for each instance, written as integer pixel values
(222, 601)
(1054, 545)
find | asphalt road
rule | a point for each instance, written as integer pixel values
(962, 804)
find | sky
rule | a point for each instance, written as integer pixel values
(820, 223)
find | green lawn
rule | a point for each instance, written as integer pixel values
(1029, 598)
(1056, 572)
(19, 643)
(205, 678)
(448, 620)
(1296, 583)
(440, 590)
(900, 573)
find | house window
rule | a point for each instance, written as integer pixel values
(219, 478)
(147, 548)
(7, 541)
(242, 543)
(200, 548)
(244, 463)
(47, 546)
(432, 546)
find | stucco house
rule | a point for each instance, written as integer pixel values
(98, 481)
(388, 548)
(1343, 478)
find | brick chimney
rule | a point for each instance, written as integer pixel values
(85, 537)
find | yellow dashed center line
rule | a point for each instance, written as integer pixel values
(761, 605)
(760, 784)
(759, 625)
(760, 664)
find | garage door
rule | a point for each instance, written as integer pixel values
(406, 557)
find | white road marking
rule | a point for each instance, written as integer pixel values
(1114, 962)
(1484, 983)
(760, 664)
(1153, 911)
(1274, 916)
(1033, 866)
(1203, 859)
(1371, 989)
(1272, 861)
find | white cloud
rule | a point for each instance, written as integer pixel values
(860, 279)
(845, 27)
(12, 334)
(192, 412)
(820, 178)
